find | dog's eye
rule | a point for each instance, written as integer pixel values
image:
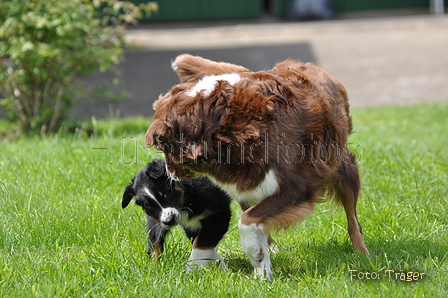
(160, 139)
(161, 143)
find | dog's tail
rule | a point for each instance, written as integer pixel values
(191, 69)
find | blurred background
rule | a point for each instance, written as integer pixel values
(386, 52)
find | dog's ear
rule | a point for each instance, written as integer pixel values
(156, 170)
(190, 69)
(128, 194)
(149, 138)
(154, 130)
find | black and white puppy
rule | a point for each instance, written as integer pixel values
(199, 206)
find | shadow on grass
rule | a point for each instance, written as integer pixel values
(336, 259)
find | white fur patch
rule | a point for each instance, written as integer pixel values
(193, 223)
(208, 83)
(203, 258)
(152, 196)
(167, 213)
(255, 245)
(266, 188)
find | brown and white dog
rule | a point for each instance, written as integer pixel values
(275, 140)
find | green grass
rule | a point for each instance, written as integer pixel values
(63, 232)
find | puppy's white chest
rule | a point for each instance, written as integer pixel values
(193, 223)
(267, 187)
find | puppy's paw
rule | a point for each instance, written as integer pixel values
(205, 258)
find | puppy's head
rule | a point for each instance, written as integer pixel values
(156, 193)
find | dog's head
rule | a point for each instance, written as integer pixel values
(196, 117)
(156, 193)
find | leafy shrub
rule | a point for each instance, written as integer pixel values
(45, 44)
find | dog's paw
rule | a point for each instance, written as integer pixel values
(255, 245)
(264, 271)
(273, 247)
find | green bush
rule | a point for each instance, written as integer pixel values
(46, 44)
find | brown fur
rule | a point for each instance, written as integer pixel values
(157, 253)
(197, 246)
(283, 220)
(293, 119)
(192, 70)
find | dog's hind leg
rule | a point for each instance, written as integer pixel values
(345, 189)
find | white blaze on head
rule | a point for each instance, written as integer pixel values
(169, 216)
(208, 83)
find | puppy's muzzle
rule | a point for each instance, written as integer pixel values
(170, 217)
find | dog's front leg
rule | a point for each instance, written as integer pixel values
(254, 242)
(271, 213)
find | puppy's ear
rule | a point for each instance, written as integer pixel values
(156, 170)
(190, 69)
(128, 194)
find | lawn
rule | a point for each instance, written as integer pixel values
(63, 232)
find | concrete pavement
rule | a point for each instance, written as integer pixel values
(394, 60)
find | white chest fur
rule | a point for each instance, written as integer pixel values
(193, 223)
(267, 187)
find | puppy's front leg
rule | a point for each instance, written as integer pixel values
(204, 245)
(156, 237)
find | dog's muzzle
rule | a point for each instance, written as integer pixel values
(179, 172)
